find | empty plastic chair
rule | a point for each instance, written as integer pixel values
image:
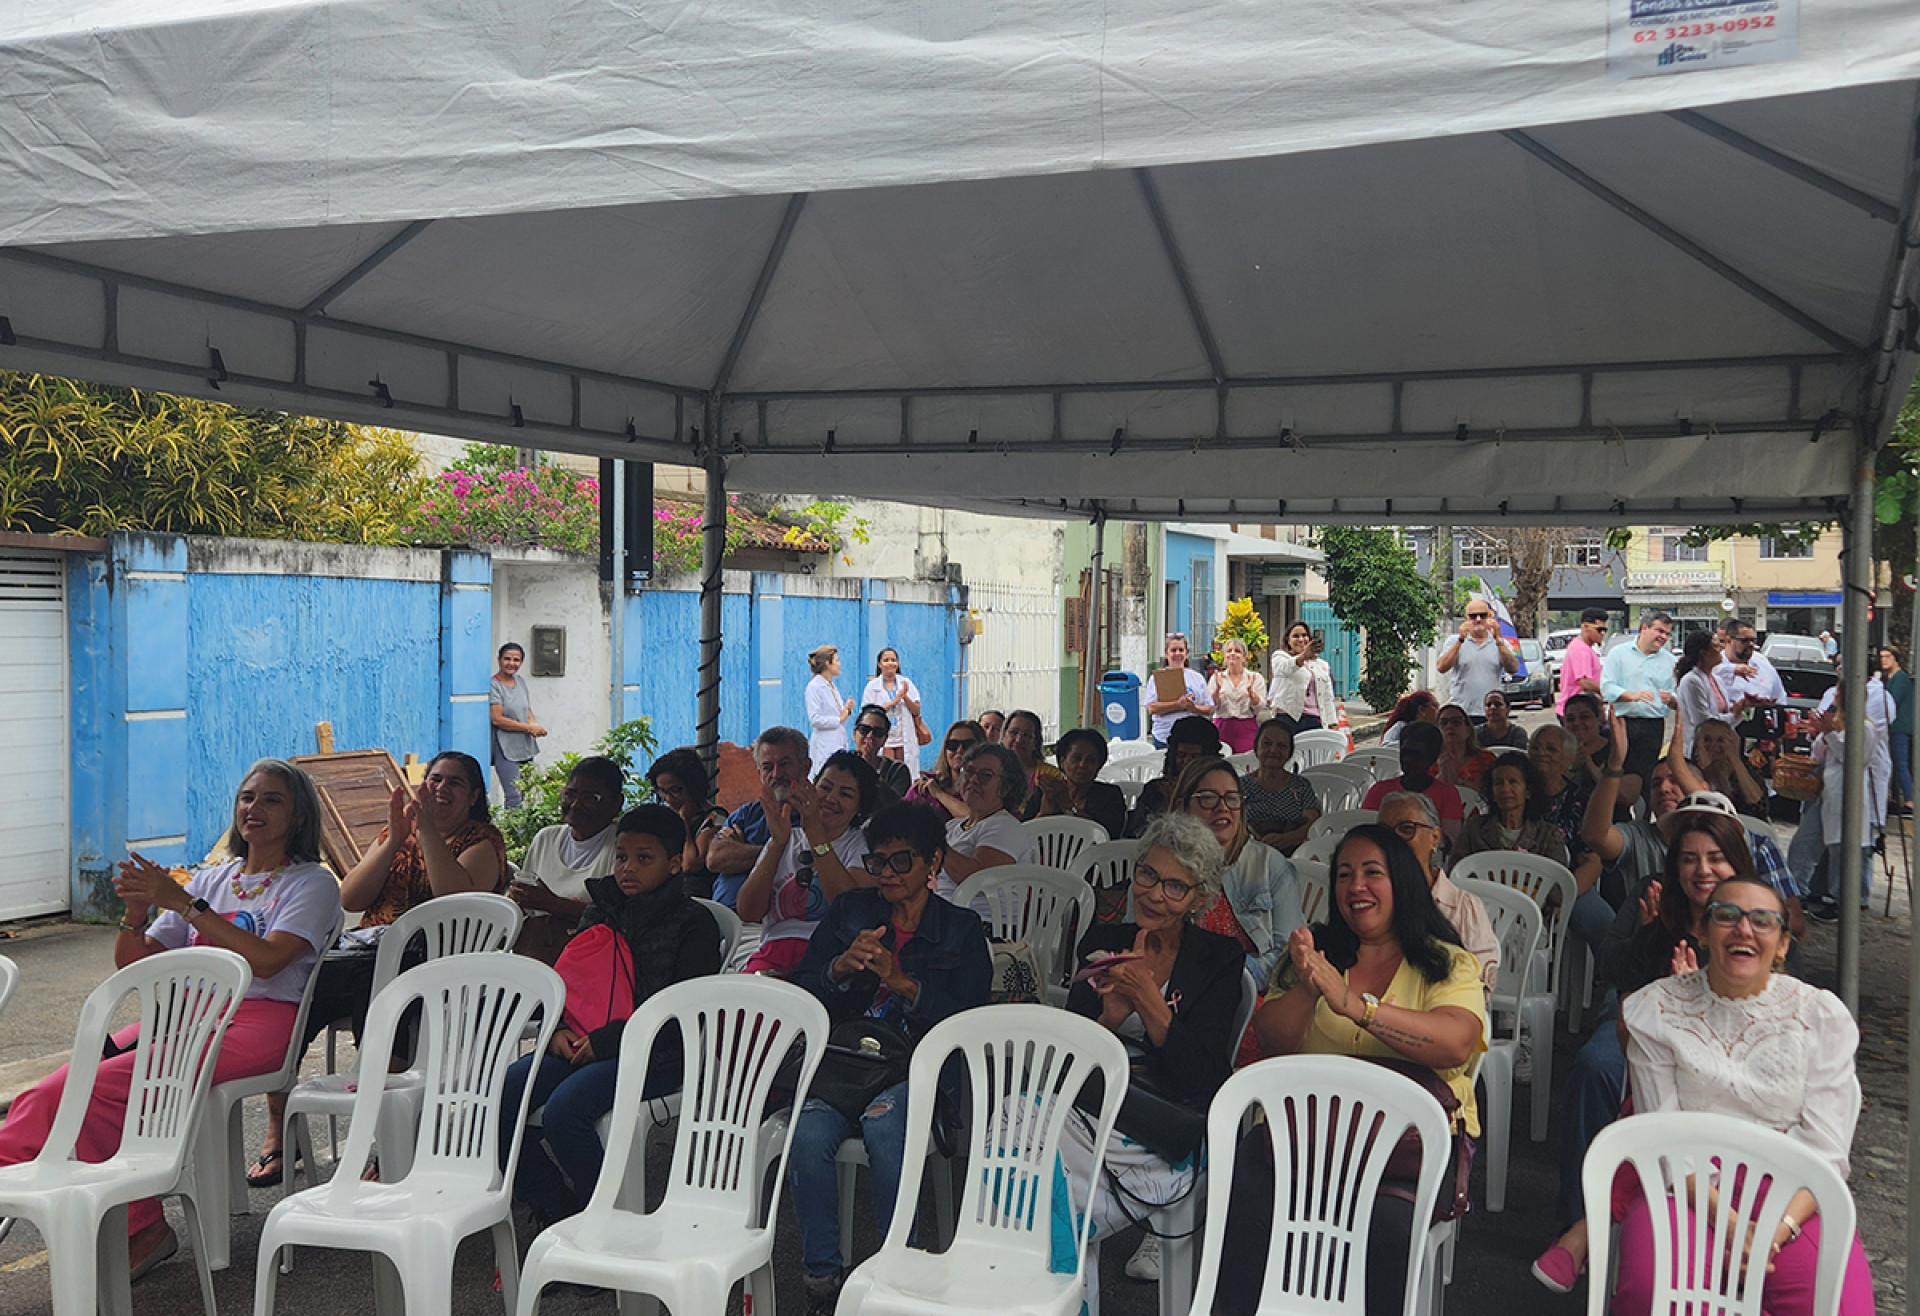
(706, 1234)
(1318, 746)
(1516, 924)
(1026, 1065)
(1337, 823)
(1335, 788)
(474, 1009)
(1057, 842)
(186, 999)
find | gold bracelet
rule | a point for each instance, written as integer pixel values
(132, 927)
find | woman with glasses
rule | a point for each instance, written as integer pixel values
(896, 951)
(1075, 791)
(1384, 978)
(551, 885)
(1281, 805)
(939, 789)
(870, 732)
(1259, 905)
(801, 870)
(1740, 1039)
(1170, 993)
(680, 781)
(987, 833)
(1462, 763)
(1024, 735)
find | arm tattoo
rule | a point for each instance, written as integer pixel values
(1399, 1038)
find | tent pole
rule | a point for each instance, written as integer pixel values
(1090, 701)
(1857, 573)
(1913, 968)
(713, 547)
(617, 605)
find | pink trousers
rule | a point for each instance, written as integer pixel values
(1237, 733)
(256, 1042)
(1789, 1289)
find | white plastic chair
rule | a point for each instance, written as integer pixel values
(9, 979)
(469, 922)
(1499, 750)
(730, 925)
(1315, 884)
(1244, 763)
(1334, 1122)
(1537, 878)
(1471, 801)
(1516, 924)
(1120, 751)
(707, 1232)
(1381, 760)
(1694, 1167)
(1130, 791)
(1320, 745)
(1337, 790)
(1336, 823)
(218, 1165)
(1025, 1064)
(474, 1009)
(1043, 907)
(1057, 842)
(1315, 849)
(1357, 773)
(186, 999)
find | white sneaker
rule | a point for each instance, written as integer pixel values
(1523, 1060)
(1145, 1261)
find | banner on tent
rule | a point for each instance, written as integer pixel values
(1651, 38)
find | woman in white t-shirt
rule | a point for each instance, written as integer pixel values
(1302, 688)
(992, 785)
(895, 692)
(551, 885)
(802, 869)
(274, 905)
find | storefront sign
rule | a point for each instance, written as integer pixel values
(1283, 580)
(1674, 582)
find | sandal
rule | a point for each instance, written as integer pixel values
(268, 1170)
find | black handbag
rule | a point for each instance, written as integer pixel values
(864, 1058)
(1171, 1130)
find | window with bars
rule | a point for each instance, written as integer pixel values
(1587, 552)
(1667, 543)
(1777, 547)
(1479, 551)
(1200, 624)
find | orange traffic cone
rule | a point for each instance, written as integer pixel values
(1342, 724)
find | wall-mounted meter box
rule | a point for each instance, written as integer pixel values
(549, 651)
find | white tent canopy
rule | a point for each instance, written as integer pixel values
(1239, 261)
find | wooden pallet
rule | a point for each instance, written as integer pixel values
(355, 787)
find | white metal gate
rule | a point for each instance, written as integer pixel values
(34, 819)
(1014, 662)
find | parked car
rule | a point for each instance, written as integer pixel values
(1555, 646)
(1804, 668)
(1531, 684)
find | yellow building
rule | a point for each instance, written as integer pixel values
(1788, 588)
(1692, 584)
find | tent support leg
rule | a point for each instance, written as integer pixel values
(1091, 704)
(1857, 572)
(1913, 993)
(713, 547)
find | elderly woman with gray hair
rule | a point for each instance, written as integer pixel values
(1170, 990)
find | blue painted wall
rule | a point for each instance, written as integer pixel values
(182, 678)
(1182, 551)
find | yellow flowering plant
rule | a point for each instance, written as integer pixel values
(1242, 623)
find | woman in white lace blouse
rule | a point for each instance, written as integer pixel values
(1740, 1039)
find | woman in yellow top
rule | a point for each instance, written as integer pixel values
(1385, 977)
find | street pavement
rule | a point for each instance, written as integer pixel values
(62, 962)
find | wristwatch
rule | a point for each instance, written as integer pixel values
(1373, 1008)
(820, 850)
(197, 908)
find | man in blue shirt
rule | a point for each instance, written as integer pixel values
(781, 755)
(1636, 680)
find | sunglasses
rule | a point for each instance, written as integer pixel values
(900, 861)
(1728, 915)
(1479, 616)
(868, 729)
(955, 746)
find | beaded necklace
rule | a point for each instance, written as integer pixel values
(241, 892)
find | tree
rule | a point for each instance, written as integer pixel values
(1373, 582)
(1534, 553)
(83, 459)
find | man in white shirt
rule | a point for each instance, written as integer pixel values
(1637, 679)
(1744, 671)
(1165, 712)
(1477, 657)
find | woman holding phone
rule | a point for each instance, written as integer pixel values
(1301, 691)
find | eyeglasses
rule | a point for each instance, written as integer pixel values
(569, 795)
(1728, 915)
(1216, 799)
(1171, 887)
(868, 729)
(955, 746)
(900, 861)
(980, 774)
(1409, 829)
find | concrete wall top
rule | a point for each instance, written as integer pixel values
(283, 557)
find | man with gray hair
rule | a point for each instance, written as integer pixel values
(782, 756)
(1412, 817)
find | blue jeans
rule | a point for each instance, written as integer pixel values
(1806, 849)
(1900, 745)
(1591, 918)
(1591, 1099)
(560, 1161)
(817, 1136)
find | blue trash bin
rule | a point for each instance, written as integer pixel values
(1120, 699)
